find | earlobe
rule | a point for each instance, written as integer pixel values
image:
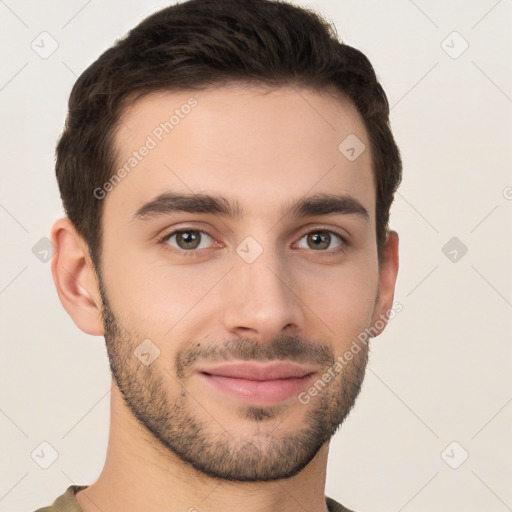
(387, 281)
(75, 279)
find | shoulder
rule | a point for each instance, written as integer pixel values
(65, 502)
(334, 506)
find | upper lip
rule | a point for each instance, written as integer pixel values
(259, 371)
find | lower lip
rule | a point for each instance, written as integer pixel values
(258, 392)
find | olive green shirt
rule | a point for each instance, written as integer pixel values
(67, 502)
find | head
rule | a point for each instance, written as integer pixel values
(230, 121)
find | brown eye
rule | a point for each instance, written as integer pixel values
(321, 240)
(187, 239)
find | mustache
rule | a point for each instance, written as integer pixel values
(289, 348)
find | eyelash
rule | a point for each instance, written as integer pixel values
(198, 252)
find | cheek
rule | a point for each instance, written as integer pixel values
(152, 295)
(341, 297)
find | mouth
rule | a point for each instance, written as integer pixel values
(256, 383)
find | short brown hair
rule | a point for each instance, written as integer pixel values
(198, 44)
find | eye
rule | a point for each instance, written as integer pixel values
(187, 239)
(321, 239)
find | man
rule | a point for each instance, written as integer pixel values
(227, 171)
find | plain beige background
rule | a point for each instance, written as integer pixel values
(431, 428)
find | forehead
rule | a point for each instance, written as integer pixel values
(261, 147)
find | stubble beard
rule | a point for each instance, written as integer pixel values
(202, 438)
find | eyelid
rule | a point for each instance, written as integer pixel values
(344, 242)
(319, 227)
(193, 252)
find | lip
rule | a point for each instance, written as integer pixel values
(257, 383)
(259, 371)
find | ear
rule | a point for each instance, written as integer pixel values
(75, 279)
(387, 280)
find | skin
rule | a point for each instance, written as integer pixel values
(264, 149)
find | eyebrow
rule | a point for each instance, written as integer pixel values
(317, 204)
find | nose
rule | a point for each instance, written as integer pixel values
(261, 300)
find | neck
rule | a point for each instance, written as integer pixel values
(141, 474)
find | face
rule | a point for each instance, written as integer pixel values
(224, 314)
